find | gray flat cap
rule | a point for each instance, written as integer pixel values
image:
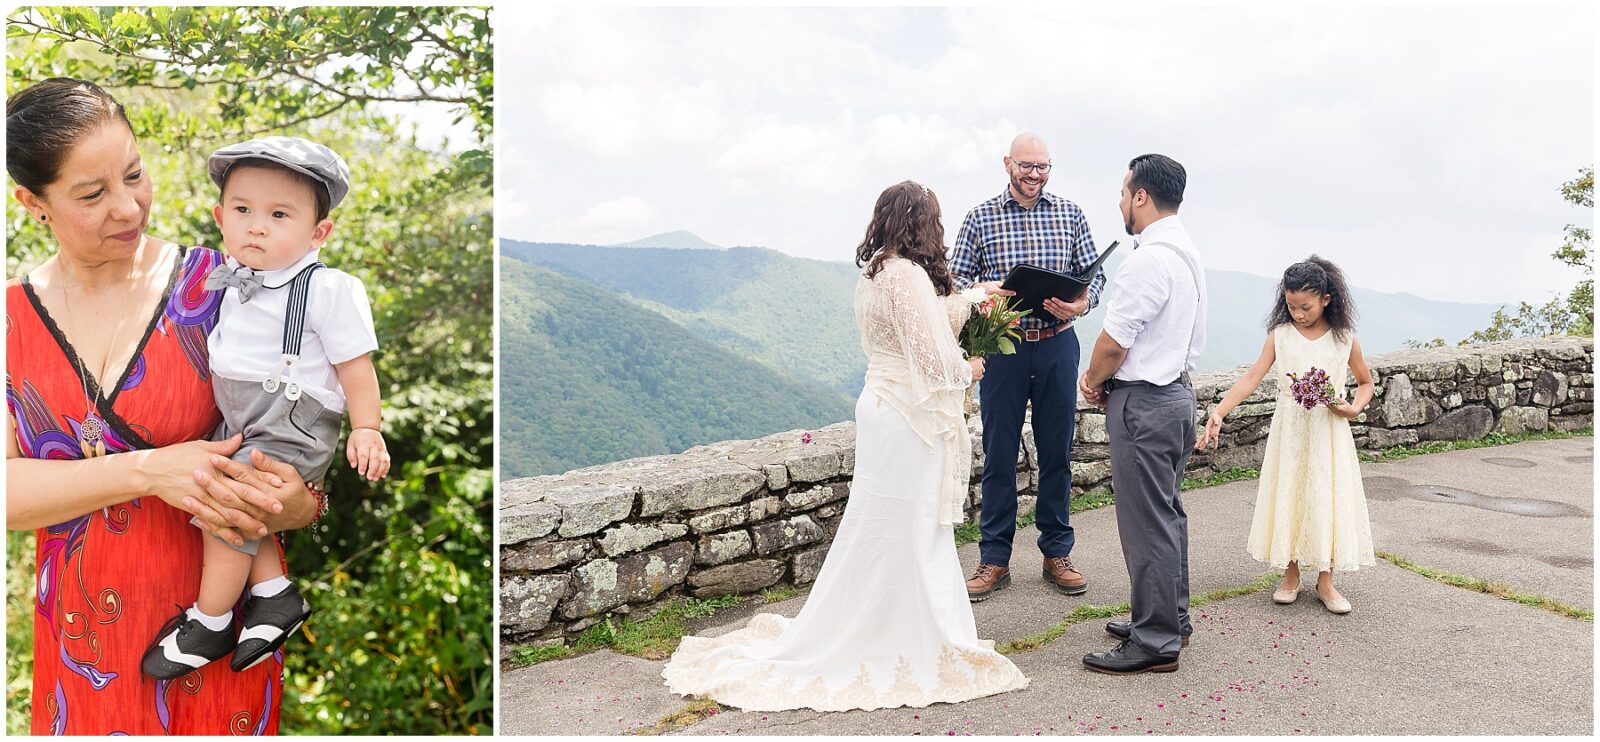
(301, 155)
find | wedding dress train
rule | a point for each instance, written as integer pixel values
(887, 623)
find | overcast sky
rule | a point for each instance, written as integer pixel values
(1420, 149)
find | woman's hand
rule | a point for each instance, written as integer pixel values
(270, 492)
(169, 474)
(977, 367)
(1212, 434)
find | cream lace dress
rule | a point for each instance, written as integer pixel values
(887, 623)
(1310, 506)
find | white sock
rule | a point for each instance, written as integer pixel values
(215, 623)
(269, 588)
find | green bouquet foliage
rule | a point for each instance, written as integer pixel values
(992, 328)
(399, 572)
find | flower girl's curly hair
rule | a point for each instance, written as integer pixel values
(905, 222)
(1322, 276)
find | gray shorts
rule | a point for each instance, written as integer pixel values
(301, 433)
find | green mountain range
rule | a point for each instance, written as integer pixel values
(621, 351)
(588, 376)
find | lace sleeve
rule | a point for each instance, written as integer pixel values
(920, 325)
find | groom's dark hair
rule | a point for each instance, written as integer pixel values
(1161, 177)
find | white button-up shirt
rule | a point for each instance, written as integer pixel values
(248, 339)
(1153, 306)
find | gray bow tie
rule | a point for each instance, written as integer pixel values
(223, 277)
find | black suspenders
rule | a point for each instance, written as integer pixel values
(294, 324)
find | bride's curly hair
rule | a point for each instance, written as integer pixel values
(905, 222)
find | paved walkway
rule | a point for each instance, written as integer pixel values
(1415, 657)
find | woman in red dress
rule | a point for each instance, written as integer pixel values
(109, 394)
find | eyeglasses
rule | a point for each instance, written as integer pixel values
(1038, 167)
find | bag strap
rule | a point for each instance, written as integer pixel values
(1194, 275)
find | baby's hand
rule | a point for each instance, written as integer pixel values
(368, 455)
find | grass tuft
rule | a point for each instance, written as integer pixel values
(696, 710)
(1222, 477)
(1493, 439)
(780, 593)
(654, 638)
(1497, 589)
(1091, 612)
(524, 656)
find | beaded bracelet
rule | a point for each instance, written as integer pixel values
(319, 491)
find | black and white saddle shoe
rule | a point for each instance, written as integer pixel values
(268, 623)
(184, 645)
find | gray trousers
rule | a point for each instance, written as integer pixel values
(301, 433)
(1152, 435)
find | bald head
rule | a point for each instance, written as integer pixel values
(1029, 147)
(1028, 164)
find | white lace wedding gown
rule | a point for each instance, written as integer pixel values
(887, 623)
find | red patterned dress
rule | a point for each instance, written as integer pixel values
(108, 580)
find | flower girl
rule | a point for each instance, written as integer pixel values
(1310, 509)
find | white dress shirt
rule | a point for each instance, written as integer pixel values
(247, 342)
(1153, 309)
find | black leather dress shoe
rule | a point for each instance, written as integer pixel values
(1124, 630)
(1129, 659)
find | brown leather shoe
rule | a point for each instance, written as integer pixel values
(987, 579)
(1059, 571)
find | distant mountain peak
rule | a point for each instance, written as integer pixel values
(681, 239)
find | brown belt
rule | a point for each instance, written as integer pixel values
(1034, 336)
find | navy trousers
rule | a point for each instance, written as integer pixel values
(1045, 373)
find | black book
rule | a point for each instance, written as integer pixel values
(1034, 284)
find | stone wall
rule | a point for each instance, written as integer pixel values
(740, 516)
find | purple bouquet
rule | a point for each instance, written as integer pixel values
(1312, 389)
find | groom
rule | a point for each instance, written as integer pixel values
(1026, 225)
(1154, 330)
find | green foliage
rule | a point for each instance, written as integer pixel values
(590, 377)
(400, 572)
(992, 328)
(19, 629)
(1572, 314)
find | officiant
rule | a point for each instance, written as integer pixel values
(1024, 224)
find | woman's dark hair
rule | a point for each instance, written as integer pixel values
(905, 222)
(44, 121)
(1323, 277)
(1161, 177)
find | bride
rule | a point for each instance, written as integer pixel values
(888, 622)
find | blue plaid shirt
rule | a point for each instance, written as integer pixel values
(998, 234)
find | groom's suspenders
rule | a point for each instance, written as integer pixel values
(1194, 274)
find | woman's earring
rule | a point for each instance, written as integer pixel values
(43, 218)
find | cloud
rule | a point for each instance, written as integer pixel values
(618, 216)
(1340, 130)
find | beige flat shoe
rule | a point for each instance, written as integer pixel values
(1285, 597)
(1340, 606)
